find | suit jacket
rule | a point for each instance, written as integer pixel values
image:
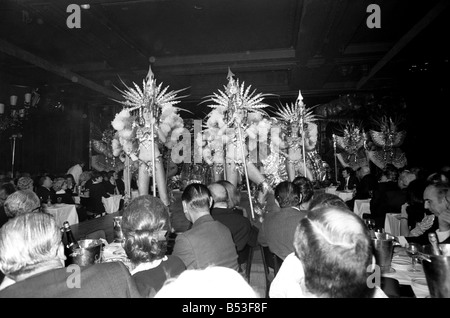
(96, 192)
(44, 193)
(368, 183)
(387, 198)
(240, 227)
(352, 182)
(208, 242)
(106, 280)
(150, 281)
(277, 230)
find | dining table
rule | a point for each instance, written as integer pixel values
(400, 265)
(345, 195)
(361, 207)
(63, 212)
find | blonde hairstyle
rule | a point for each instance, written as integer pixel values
(25, 183)
(20, 202)
(211, 282)
(26, 241)
(58, 184)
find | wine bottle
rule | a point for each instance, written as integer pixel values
(72, 243)
(434, 244)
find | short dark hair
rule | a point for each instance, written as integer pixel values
(287, 194)
(335, 249)
(95, 175)
(8, 187)
(326, 200)
(197, 196)
(142, 222)
(305, 187)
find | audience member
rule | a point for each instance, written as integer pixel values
(61, 193)
(234, 197)
(32, 259)
(306, 189)
(333, 253)
(277, 229)
(110, 183)
(25, 183)
(242, 231)
(415, 219)
(6, 190)
(119, 182)
(211, 282)
(145, 222)
(45, 191)
(70, 183)
(97, 191)
(389, 195)
(348, 181)
(208, 242)
(21, 202)
(76, 170)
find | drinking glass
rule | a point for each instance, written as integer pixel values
(412, 249)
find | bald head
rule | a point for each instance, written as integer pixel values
(219, 194)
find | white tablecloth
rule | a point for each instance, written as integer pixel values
(63, 212)
(401, 263)
(344, 195)
(361, 207)
(112, 203)
(392, 224)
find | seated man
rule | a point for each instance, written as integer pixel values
(366, 185)
(277, 229)
(435, 197)
(208, 242)
(32, 259)
(348, 181)
(241, 230)
(332, 258)
(44, 191)
(97, 191)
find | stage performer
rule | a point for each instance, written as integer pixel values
(237, 117)
(352, 142)
(144, 109)
(388, 139)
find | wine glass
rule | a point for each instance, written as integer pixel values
(412, 249)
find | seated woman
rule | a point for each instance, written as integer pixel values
(306, 190)
(70, 180)
(234, 197)
(61, 193)
(144, 224)
(110, 184)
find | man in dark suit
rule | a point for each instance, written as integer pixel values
(365, 187)
(96, 192)
(242, 231)
(348, 181)
(278, 228)
(389, 197)
(44, 191)
(34, 265)
(208, 242)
